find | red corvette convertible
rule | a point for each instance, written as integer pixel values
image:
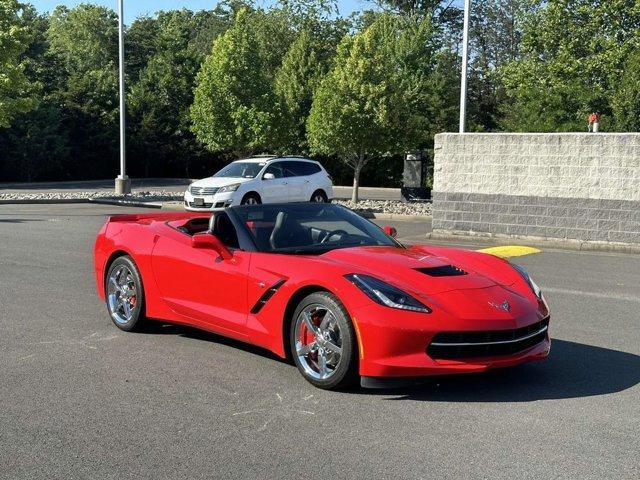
(321, 285)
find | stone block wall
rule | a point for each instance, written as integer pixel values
(570, 186)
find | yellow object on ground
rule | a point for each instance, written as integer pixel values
(509, 251)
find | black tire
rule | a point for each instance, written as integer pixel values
(251, 198)
(345, 374)
(319, 197)
(137, 319)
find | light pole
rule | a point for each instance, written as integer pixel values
(123, 183)
(465, 55)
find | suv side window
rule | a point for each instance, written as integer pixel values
(291, 169)
(300, 169)
(275, 169)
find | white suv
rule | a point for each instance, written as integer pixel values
(261, 180)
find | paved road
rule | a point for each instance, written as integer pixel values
(177, 185)
(80, 399)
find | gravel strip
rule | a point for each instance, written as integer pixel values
(140, 196)
(393, 207)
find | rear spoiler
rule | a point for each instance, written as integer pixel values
(153, 217)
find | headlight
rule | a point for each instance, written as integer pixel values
(527, 278)
(229, 188)
(385, 294)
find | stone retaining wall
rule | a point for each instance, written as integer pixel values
(561, 186)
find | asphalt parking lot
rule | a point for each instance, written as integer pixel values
(81, 399)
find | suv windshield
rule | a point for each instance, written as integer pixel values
(309, 228)
(241, 170)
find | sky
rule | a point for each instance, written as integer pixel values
(134, 8)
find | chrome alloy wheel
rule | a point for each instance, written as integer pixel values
(251, 201)
(318, 198)
(318, 341)
(121, 294)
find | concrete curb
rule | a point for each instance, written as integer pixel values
(125, 203)
(392, 216)
(102, 201)
(44, 201)
(177, 205)
(551, 243)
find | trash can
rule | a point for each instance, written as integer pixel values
(413, 177)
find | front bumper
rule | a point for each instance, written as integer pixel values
(400, 349)
(210, 203)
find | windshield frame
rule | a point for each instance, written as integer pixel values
(315, 249)
(258, 173)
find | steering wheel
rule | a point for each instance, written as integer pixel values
(330, 234)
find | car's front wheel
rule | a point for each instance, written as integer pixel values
(125, 294)
(251, 199)
(323, 342)
(319, 197)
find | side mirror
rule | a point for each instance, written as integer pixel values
(392, 232)
(268, 176)
(209, 241)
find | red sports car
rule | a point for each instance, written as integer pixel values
(320, 284)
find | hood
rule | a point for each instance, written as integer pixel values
(425, 270)
(219, 181)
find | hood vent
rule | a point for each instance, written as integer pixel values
(442, 271)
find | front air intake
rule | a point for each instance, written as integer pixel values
(442, 271)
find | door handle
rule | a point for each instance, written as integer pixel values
(306, 181)
(284, 183)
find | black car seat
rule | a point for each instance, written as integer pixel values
(221, 226)
(288, 232)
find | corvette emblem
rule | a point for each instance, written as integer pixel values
(501, 306)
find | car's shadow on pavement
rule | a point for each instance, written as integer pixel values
(572, 370)
(159, 328)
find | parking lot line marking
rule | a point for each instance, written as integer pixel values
(508, 251)
(603, 295)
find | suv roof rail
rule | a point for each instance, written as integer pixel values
(302, 157)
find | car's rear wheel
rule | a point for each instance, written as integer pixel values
(125, 294)
(323, 342)
(319, 197)
(251, 199)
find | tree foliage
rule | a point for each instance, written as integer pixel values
(573, 52)
(235, 106)
(16, 92)
(205, 86)
(374, 101)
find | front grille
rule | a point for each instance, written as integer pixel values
(203, 190)
(490, 343)
(203, 205)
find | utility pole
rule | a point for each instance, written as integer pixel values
(123, 183)
(465, 57)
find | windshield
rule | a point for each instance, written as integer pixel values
(309, 228)
(241, 170)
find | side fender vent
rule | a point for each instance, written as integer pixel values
(443, 271)
(266, 296)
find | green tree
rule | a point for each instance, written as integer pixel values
(371, 104)
(573, 53)
(35, 147)
(16, 92)
(83, 42)
(235, 107)
(302, 69)
(495, 40)
(160, 99)
(625, 101)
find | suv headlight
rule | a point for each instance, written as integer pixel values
(385, 294)
(527, 278)
(229, 188)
